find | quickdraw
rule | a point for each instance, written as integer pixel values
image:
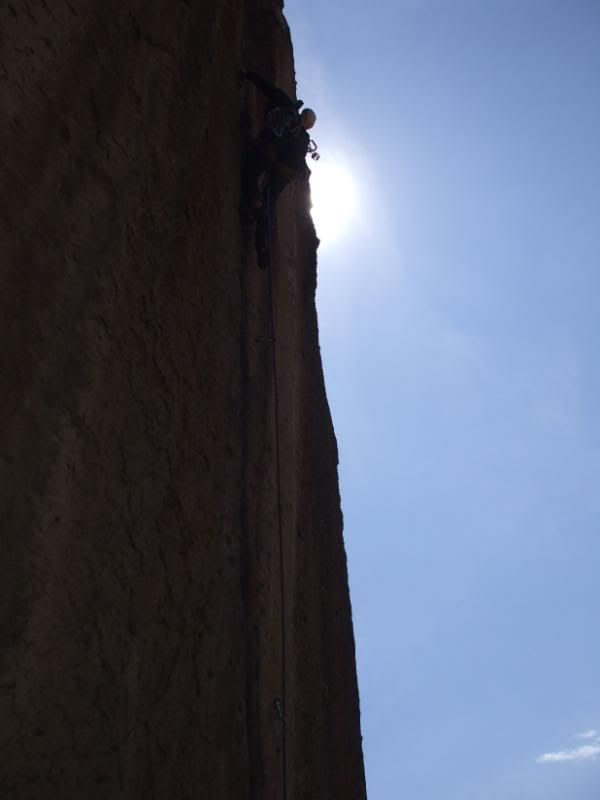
(312, 149)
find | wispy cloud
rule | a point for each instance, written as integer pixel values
(586, 752)
(591, 734)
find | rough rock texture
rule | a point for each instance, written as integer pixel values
(141, 616)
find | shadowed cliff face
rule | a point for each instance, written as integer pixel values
(141, 606)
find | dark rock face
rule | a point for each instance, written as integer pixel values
(141, 605)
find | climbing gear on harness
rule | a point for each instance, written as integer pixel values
(312, 150)
(283, 122)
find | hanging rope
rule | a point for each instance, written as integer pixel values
(280, 705)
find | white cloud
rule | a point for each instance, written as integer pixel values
(591, 734)
(586, 752)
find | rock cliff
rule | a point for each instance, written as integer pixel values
(152, 632)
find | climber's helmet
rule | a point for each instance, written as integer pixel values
(308, 118)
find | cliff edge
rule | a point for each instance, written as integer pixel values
(155, 640)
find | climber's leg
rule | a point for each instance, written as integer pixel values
(278, 179)
(263, 239)
(258, 161)
(266, 221)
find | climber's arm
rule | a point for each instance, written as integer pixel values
(277, 96)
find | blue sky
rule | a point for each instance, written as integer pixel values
(459, 316)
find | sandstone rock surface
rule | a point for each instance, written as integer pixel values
(141, 616)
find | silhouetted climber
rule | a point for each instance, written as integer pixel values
(276, 157)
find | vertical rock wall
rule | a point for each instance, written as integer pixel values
(140, 610)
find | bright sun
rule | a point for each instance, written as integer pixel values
(335, 200)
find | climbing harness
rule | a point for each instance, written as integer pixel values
(312, 150)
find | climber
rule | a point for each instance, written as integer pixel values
(278, 154)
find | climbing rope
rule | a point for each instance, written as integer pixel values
(280, 704)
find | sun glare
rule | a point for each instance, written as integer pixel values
(335, 200)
